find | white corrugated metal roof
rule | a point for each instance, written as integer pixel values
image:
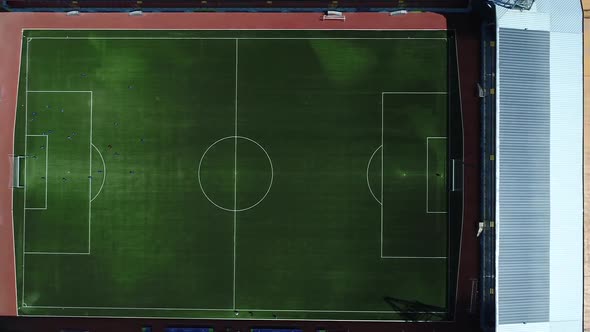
(539, 207)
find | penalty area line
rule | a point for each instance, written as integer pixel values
(415, 257)
(383, 94)
(90, 145)
(55, 253)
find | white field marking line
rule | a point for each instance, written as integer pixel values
(115, 308)
(199, 173)
(90, 181)
(46, 166)
(382, 148)
(369, 184)
(104, 172)
(25, 179)
(427, 188)
(462, 171)
(239, 38)
(220, 30)
(416, 257)
(128, 308)
(55, 253)
(235, 175)
(46, 169)
(59, 91)
(383, 93)
(230, 310)
(267, 157)
(346, 311)
(414, 93)
(12, 196)
(90, 177)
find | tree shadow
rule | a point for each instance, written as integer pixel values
(416, 311)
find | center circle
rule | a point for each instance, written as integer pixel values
(235, 173)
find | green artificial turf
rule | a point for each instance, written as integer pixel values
(233, 174)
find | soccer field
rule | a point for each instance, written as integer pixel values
(235, 174)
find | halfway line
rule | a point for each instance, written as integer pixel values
(235, 174)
